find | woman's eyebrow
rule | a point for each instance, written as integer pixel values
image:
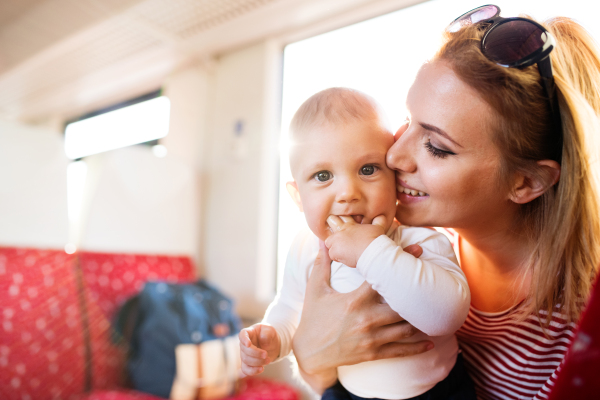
(439, 131)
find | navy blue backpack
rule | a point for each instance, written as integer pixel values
(163, 316)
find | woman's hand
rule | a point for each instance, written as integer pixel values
(347, 328)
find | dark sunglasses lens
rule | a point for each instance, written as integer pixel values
(474, 16)
(512, 41)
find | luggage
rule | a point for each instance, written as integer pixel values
(165, 315)
(206, 371)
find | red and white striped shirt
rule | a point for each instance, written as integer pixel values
(512, 358)
(509, 358)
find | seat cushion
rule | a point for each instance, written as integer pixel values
(250, 389)
(264, 389)
(118, 395)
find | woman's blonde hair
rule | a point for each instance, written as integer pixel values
(564, 223)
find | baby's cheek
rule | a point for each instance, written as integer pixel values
(387, 207)
(387, 202)
(322, 230)
(317, 224)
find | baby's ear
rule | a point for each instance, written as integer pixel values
(292, 188)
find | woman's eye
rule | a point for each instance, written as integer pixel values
(437, 153)
(323, 176)
(368, 170)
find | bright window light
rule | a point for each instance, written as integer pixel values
(70, 248)
(76, 174)
(159, 150)
(381, 57)
(138, 123)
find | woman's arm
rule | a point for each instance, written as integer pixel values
(346, 328)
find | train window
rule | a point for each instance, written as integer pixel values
(144, 119)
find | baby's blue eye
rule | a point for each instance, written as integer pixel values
(367, 170)
(323, 176)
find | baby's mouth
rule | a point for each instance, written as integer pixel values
(411, 192)
(357, 218)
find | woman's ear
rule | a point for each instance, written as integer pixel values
(292, 188)
(530, 186)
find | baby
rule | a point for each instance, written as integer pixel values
(338, 162)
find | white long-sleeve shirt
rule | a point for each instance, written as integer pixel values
(430, 292)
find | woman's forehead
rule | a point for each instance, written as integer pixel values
(437, 82)
(439, 97)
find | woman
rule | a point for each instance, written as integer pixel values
(515, 180)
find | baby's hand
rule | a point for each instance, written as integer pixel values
(259, 345)
(349, 239)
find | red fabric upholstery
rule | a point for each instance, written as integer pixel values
(250, 389)
(118, 395)
(43, 341)
(42, 351)
(112, 278)
(42, 346)
(262, 389)
(578, 378)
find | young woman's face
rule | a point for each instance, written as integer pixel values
(447, 154)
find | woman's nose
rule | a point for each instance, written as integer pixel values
(348, 191)
(400, 156)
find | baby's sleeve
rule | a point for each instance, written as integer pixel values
(284, 311)
(430, 292)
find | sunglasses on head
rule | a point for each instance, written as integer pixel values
(517, 43)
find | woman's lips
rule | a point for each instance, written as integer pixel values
(406, 199)
(409, 195)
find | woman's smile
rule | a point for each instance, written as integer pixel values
(412, 192)
(407, 194)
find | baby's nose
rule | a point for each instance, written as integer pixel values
(349, 192)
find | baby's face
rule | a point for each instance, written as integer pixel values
(342, 171)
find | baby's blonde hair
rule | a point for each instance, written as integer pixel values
(333, 107)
